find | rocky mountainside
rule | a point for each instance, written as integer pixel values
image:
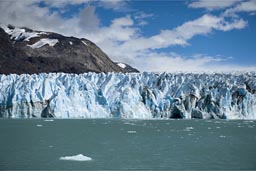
(23, 50)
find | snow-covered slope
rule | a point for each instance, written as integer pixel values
(17, 33)
(136, 95)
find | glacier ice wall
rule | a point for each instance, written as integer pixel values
(135, 95)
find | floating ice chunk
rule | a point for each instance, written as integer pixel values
(188, 128)
(222, 136)
(48, 120)
(121, 65)
(79, 157)
(248, 121)
(131, 132)
(39, 125)
(42, 42)
(71, 43)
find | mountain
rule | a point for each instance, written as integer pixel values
(129, 95)
(23, 50)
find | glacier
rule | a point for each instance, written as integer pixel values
(131, 96)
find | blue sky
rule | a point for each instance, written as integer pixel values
(199, 35)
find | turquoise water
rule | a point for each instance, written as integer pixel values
(37, 144)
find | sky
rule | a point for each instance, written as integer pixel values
(157, 36)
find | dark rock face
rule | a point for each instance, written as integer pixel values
(22, 53)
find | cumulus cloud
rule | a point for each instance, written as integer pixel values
(30, 14)
(172, 62)
(119, 5)
(122, 39)
(140, 51)
(180, 35)
(120, 30)
(63, 3)
(212, 4)
(247, 6)
(141, 18)
(161, 62)
(88, 19)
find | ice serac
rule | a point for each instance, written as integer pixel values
(135, 95)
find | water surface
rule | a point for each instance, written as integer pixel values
(114, 144)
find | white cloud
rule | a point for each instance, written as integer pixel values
(198, 63)
(119, 5)
(248, 6)
(88, 19)
(180, 35)
(143, 15)
(212, 4)
(120, 30)
(122, 39)
(63, 3)
(162, 62)
(141, 18)
(236, 24)
(168, 62)
(124, 21)
(29, 14)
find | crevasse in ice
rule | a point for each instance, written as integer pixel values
(134, 95)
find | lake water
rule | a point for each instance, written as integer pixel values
(115, 144)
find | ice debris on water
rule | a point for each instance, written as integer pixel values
(48, 120)
(131, 132)
(188, 128)
(79, 157)
(131, 96)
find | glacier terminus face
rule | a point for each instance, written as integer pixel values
(132, 96)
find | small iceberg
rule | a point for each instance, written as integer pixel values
(131, 132)
(79, 157)
(39, 125)
(48, 120)
(188, 128)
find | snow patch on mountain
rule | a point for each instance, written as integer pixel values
(84, 43)
(42, 42)
(121, 65)
(17, 33)
(135, 95)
